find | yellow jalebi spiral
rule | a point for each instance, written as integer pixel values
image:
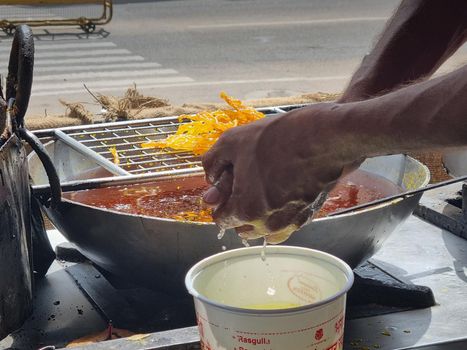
(202, 130)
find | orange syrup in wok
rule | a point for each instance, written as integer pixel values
(181, 199)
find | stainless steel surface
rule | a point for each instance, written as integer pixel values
(422, 254)
(70, 164)
(158, 252)
(457, 344)
(439, 208)
(104, 162)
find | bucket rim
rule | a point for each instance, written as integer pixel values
(282, 249)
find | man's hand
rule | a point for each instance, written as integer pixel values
(269, 177)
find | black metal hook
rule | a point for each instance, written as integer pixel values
(18, 92)
(20, 72)
(54, 180)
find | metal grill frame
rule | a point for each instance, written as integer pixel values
(128, 139)
(95, 141)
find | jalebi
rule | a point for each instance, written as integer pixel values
(203, 215)
(202, 130)
(116, 158)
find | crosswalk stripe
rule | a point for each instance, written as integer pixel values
(111, 74)
(98, 60)
(101, 84)
(78, 45)
(294, 22)
(64, 67)
(120, 88)
(103, 67)
(57, 54)
(155, 85)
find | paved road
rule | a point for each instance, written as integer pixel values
(189, 50)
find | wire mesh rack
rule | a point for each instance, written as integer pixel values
(127, 140)
(97, 140)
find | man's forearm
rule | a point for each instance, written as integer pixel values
(426, 115)
(416, 41)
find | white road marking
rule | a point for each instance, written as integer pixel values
(61, 46)
(109, 83)
(63, 67)
(289, 23)
(111, 74)
(81, 53)
(150, 85)
(118, 66)
(97, 60)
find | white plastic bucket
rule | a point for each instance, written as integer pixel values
(293, 300)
